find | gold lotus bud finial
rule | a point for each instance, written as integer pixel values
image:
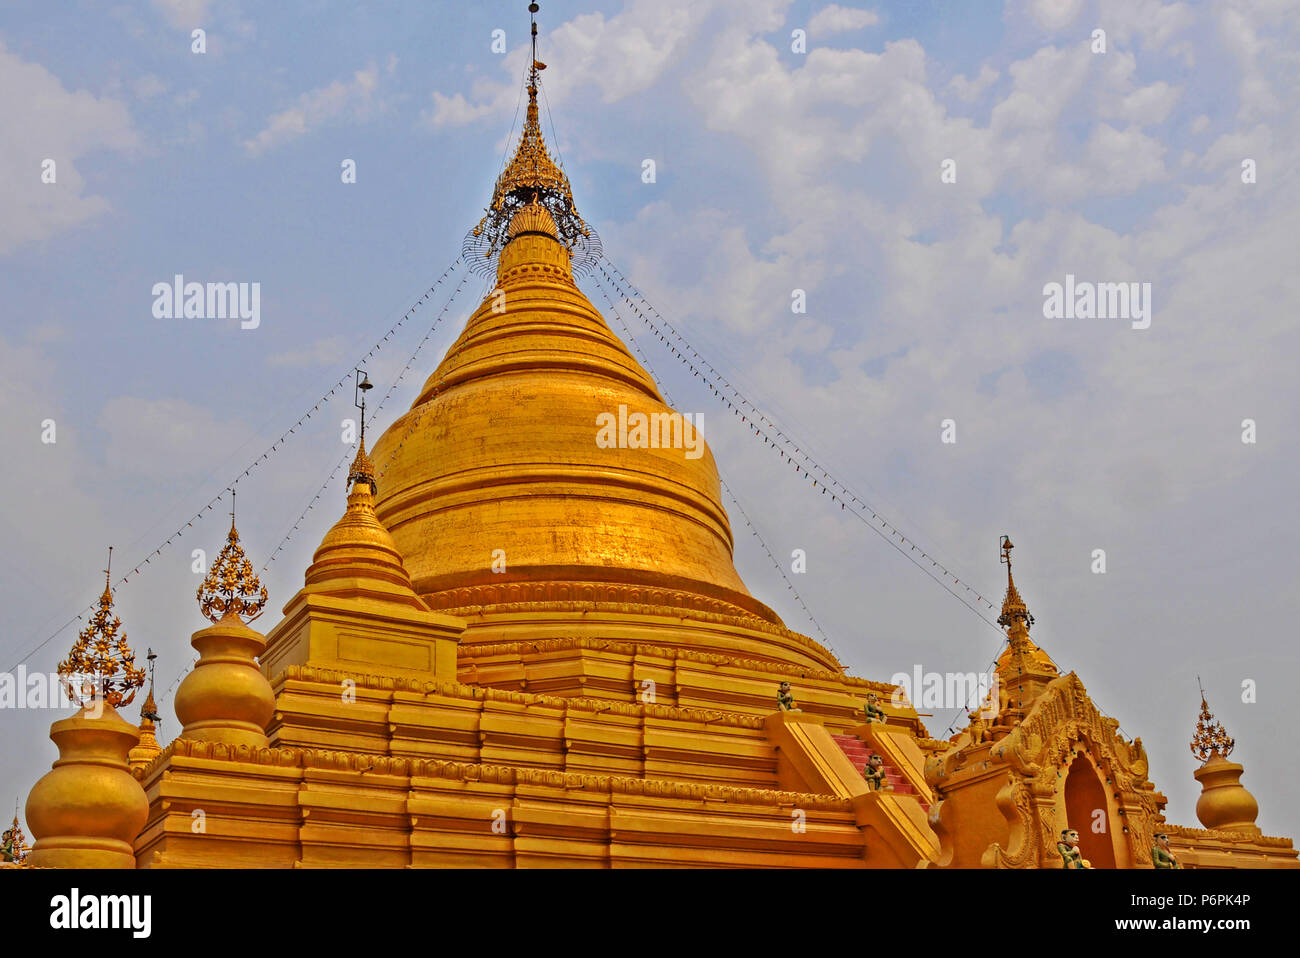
(1013, 607)
(231, 587)
(101, 665)
(1211, 737)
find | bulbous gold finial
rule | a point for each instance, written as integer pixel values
(1211, 737)
(231, 585)
(101, 664)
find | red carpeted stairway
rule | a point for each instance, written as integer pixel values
(859, 752)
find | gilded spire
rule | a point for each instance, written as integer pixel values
(363, 470)
(530, 177)
(1013, 607)
(231, 587)
(101, 664)
(1021, 656)
(1211, 737)
(142, 754)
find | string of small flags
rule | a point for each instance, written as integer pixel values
(645, 361)
(377, 410)
(274, 447)
(175, 682)
(779, 567)
(803, 464)
(382, 469)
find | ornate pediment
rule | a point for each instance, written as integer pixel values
(1033, 761)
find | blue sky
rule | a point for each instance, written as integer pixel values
(777, 170)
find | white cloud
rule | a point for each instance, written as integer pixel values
(837, 19)
(1153, 22)
(43, 120)
(969, 90)
(619, 56)
(355, 99)
(164, 439)
(183, 14)
(1050, 15)
(148, 86)
(323, 352)
(1149, 104)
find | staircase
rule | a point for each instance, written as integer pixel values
(858, 752)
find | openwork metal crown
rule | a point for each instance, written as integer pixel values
(101, 664)
(1210, 737)
(531, 176)
(363, 470)
(14, 843)
(231, 585)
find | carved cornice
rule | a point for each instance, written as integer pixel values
(1219, 835)
(491, 599)
(643, 600)
(473, 651)
(412, 768)
(933, 745)
(312, 674)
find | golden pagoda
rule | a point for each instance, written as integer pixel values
(518, 648)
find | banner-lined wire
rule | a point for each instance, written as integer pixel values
(743, 514)
(274, 447)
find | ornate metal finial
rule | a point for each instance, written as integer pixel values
(149, 711)
(231, 585)
(101, 665)
(13, 843)
(532, 176)
(1013, 607)
(363, 470)
(1211, 737)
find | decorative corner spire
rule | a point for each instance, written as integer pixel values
(101, 664)
(1211, 737)
(13, 843)
(363, 470)
(149, 711)
(1013, 607)
(532, 176)
(231, 587)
